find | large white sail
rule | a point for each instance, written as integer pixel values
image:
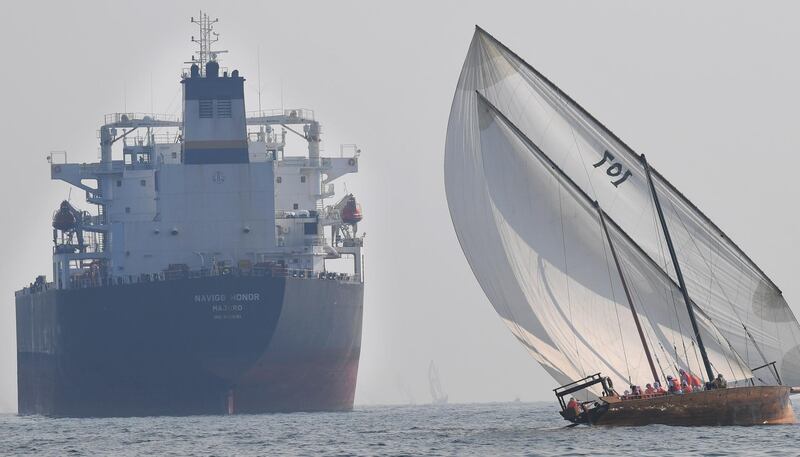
(540, 256)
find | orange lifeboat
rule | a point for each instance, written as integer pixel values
(351, 213)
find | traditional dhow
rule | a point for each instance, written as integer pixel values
(747, 405)
(199, 285)
(598, 264)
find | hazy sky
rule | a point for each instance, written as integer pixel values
(708, 91)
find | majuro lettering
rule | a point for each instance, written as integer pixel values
(227, 308)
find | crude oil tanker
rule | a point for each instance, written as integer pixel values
(198, 283)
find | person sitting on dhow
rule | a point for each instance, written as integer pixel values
(674, 385)
(697, 383)
(649, 389)
(635, 391)
(659, 388)
(720, 382)
(686, 388)
(684, 376)
(574, 405)
(690, 379)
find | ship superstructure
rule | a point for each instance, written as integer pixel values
(215, 189)
(213, 210)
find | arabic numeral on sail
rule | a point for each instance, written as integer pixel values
(614, 169)
(607, 156)
(622, 179)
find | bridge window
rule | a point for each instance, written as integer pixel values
(302, 179)
(119, 183)
(143, 183)
(278, 180)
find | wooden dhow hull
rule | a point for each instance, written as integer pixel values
(760, 405)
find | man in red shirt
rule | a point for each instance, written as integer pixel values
(574, 405)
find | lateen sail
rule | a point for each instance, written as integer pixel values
(535, 244)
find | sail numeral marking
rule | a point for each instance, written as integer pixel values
(614, 169)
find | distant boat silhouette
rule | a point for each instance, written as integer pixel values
(438, 395)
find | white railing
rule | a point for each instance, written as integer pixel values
(113, 118)
(355, 151)
(300, 113)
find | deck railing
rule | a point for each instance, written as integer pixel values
(87, 281)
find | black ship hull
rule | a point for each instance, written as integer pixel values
(213, 345)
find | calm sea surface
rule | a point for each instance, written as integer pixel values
(475, 429)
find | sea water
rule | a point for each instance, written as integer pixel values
(530, 429)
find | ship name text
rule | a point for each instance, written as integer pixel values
(237, 297)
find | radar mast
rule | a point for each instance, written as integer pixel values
(206, 38)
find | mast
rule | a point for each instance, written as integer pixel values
(678, 273)
(627, 292)
(204, 42)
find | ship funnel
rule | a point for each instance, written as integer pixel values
(214, 122)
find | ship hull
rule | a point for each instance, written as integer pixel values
(760, 405)
(214, 345)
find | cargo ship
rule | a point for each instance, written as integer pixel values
(195, 280)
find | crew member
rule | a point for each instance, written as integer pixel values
(649, 389)
(720, 382)
(674, 385)
(574, 405)
(697, 383)
(687, 389)
(684, 376)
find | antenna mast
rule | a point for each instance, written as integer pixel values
(207, 37)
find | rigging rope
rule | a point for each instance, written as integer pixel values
(722, 289)
(566, 274)
(613, 296)
(657, 224)
(635, 292)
